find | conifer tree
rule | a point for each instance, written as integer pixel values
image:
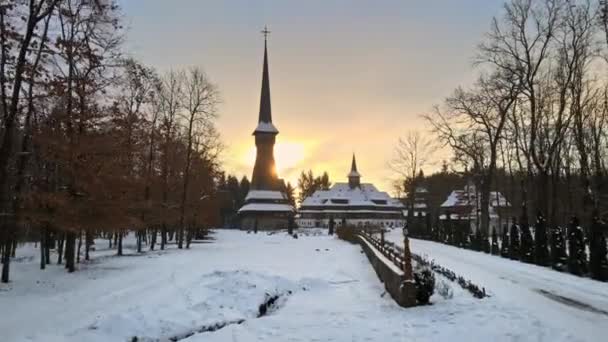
(527, 243)
(540, 241)
(448, 231)
(428, 226)
(494, 247)
(504, 244)
(577, 257)
(485, 243)
(559, 259)
(514, 241)
(478, 241)
(598, 264)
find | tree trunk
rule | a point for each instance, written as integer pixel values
(119, 244)
(88, 242)
(42, 248)
(163, 237)
(139, 240)
(6, 259)
(70, 251)
(47, 247)
(60, 249)
(153, 239)
(79, 247)
(14, 248)
(542, 202)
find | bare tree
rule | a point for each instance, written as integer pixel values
(473, 125)
(412, 153)
(199, 99)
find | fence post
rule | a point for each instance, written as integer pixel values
(407, 259)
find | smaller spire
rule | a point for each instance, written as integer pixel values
(353, 166)
(354, 177)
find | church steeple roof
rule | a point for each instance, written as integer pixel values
(354, 177)
(353, 168)
(265, 118)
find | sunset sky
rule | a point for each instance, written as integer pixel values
(345, 76)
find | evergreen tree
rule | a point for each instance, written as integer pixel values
(478, 241)
(419, 225)
(514, 242)
(494, 248)
(504, 243)
(244, 189)
(577, 256)
(428, 226)
(598, 264)
(447, 234)
(485, 243)
(527, 243)
(559, 259)
(540, 241)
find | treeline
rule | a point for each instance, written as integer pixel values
(308, 183)
(572, 248)
(94, 143)
(533, 124)
(538, 110)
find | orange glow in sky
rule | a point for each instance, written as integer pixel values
(288, 155)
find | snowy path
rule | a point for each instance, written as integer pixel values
(563, 301)
(335, 296)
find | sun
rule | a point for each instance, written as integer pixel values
(287, 155)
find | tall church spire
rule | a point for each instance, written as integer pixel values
(353, 165)
(264, 171)
(265, 118)
(265, 108)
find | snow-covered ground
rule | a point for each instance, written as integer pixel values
(553, 299)
(329, 292)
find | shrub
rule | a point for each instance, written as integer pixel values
(444, 289)
(424, 279)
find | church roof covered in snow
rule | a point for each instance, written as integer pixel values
(265, 195)
(266, 207)
(342, 196)
(468, 197)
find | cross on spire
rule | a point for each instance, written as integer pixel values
(265, 32)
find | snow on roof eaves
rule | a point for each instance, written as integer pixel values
(265, 194)
(354, 174)
(460, 198)
(266, 207)
(338, 211)
(266, 127)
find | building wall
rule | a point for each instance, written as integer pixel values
(362, 222)
(265, 221)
